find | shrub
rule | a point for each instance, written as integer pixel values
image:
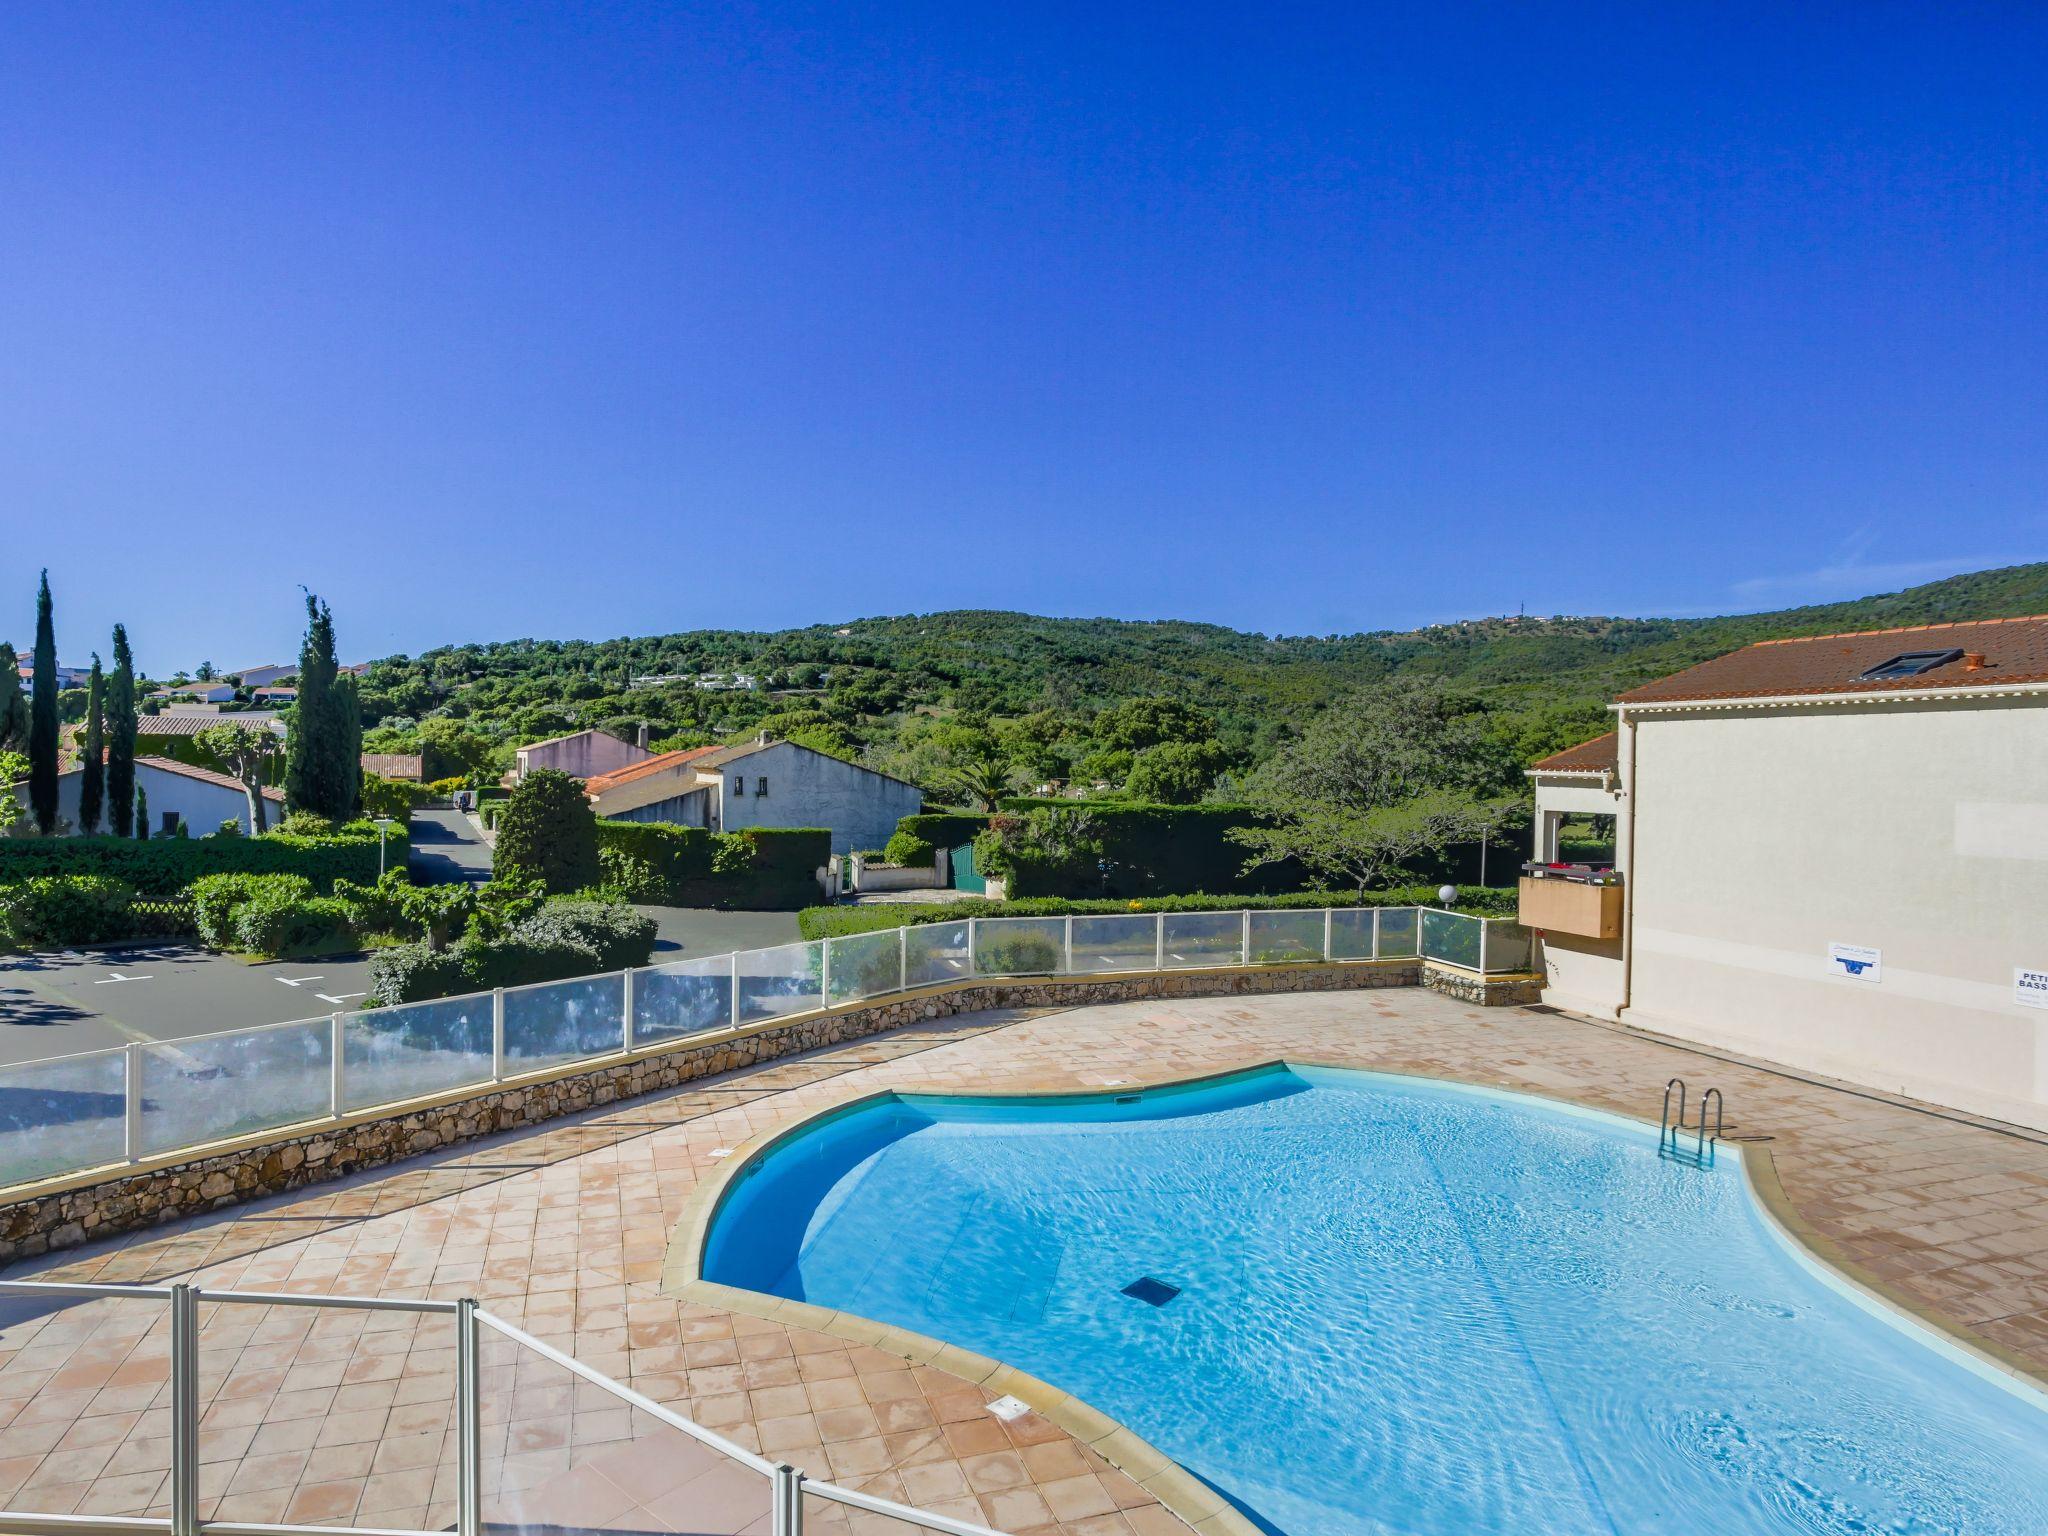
(1017, 954)
(217, 899)
(272, 923)
(65, 909)
(616, 934)
(1129, 849)
(305, 824)
(904, 848)
(411, 973)
(760, 869)
(548, 833)
(924, 834)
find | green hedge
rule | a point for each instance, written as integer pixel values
(47, 910)
(763, 869)
(165, 866)
(567, 937)
(1151, 850)
(834, 922)
(917, 837)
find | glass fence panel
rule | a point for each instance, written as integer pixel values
(563, 1455)
(1506, 946)
(934, 952)
(1398, 933)
(1285, 938)
(1115, 943)
(685, 997)
(1351, 933)
(826, 1516)
(563, 1021)
(1019, 946)
(1204, 938)
(866, 964)
(1452, 937)
(780, 981)
(216, 1086)
(415, 1049)
(61, 1116)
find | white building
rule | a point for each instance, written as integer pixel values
(582, 755)
(1832, 853)
(67, 677)
(268, 673)
(176, 792)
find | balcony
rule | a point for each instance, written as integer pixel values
(1579, 899)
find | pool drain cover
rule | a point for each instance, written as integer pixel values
(1153, 1292)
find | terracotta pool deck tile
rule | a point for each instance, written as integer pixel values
(563, 1230)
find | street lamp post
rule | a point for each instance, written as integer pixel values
(382, 823)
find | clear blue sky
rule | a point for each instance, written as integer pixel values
(491, 320)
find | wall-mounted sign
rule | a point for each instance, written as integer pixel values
(2029, 988)
(1858, 962)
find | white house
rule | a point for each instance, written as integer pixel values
(203, 693)
(268, 673)
(664, 787)
(1829, 852)
(770, 783)
(176, 792)
(67, 677)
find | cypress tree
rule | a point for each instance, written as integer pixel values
(120, 729)
(13, 705)
(141, 813)
(42, 718)
(92, 774)
(323, 773)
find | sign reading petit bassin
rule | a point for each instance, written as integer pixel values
(2029, 988)
(1858, 962)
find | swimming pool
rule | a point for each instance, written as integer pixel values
(1397, 1306)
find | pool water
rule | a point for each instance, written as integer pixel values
(1397, 1306)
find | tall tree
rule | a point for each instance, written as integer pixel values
(245, 751)
(13, 703)
(120, 729)
(323, 769)
(141, 813)
(42, 718)
(92, 772)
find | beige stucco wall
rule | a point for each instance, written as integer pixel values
(1581, 975)
(1761, 836)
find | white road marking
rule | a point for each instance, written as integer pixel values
(329, 997)
(101, 981)
(296, 981)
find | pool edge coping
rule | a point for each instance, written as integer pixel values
(1186, 1496)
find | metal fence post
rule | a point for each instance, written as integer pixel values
(1067, 946)
(786, 1502)
(626, 998)
(1329, 922)
(337, 1096)
(1244, 942)
(973, 949)
(1375, 933)
(469, 1449)
(131, 1111)
(735, 999)
(824, 973)
(184, 1410)
(1159, 941)
(497, 1034)
(903, 958)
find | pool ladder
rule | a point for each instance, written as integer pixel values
(1672, 1128)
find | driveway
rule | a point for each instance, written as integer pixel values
(446, 848)
(684, 933)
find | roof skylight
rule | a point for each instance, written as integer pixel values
(1909, 664)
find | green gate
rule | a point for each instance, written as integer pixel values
(965, 876)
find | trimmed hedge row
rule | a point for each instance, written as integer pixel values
(917, 838)
(565, 938)
(164, 866)
(762, 869)
(1151, 850)
(835, 922)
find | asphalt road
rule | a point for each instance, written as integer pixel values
(57, 1003)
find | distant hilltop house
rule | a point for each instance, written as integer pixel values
(1829, 852)
(200, 693)
(274, 695)
(725, 682)
(67, 677)
(406, 767)
(190, 719)
(199, 797)
(265, 675)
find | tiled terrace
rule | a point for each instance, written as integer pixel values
(346, 1418)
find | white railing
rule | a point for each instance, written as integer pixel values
(506, 1390)
(103, 1109)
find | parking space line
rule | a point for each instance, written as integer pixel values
(105, 981)
(296, 981)
(329, 997)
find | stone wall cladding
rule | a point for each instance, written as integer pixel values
(126, 1203)
(1487, 991)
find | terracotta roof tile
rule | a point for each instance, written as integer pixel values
(1596, 756)
(661, 763)
(205, 776)
(2013, 651)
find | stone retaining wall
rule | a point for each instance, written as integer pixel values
(1487, 991)
(125, 1202)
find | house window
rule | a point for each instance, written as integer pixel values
(760, 788)
(739, 785)
(170, 822)
(1910, 664)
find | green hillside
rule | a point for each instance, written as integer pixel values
(871, 687)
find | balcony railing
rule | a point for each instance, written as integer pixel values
(72, 1115)
(529, 1447)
